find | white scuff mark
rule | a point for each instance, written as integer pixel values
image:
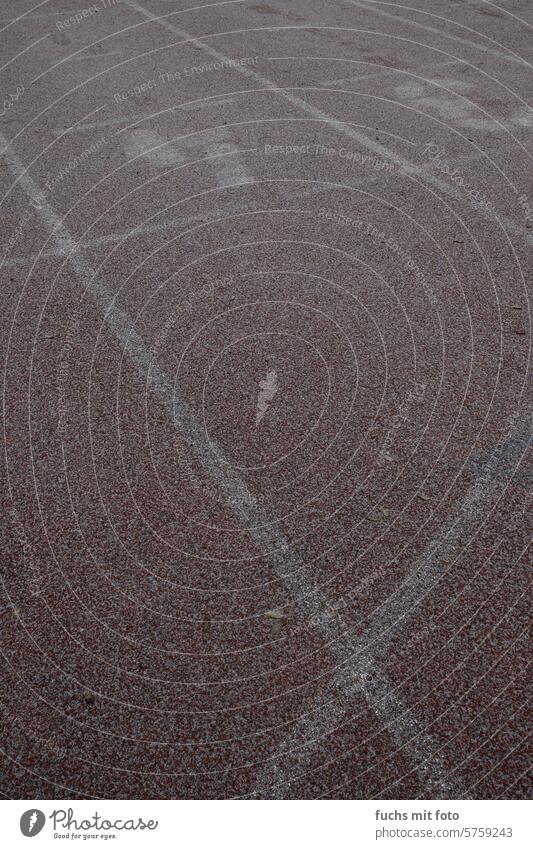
(268, 388)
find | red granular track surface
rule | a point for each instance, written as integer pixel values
(267, 409)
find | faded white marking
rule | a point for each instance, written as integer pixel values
(327, 713)
(148, 143)
(148, 229)
(268, 387)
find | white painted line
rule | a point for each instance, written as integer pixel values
(188, 221)
(148, 143)
(428, 568)
(109, 239)
(357, 674)
(327, 713)
(340, 127)
(523, 117)
(9, 22)
(359, 671)
(28, 16)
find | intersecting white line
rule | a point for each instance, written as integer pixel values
(355, 672)
(328, 712)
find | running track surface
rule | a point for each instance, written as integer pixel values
(267, 410)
